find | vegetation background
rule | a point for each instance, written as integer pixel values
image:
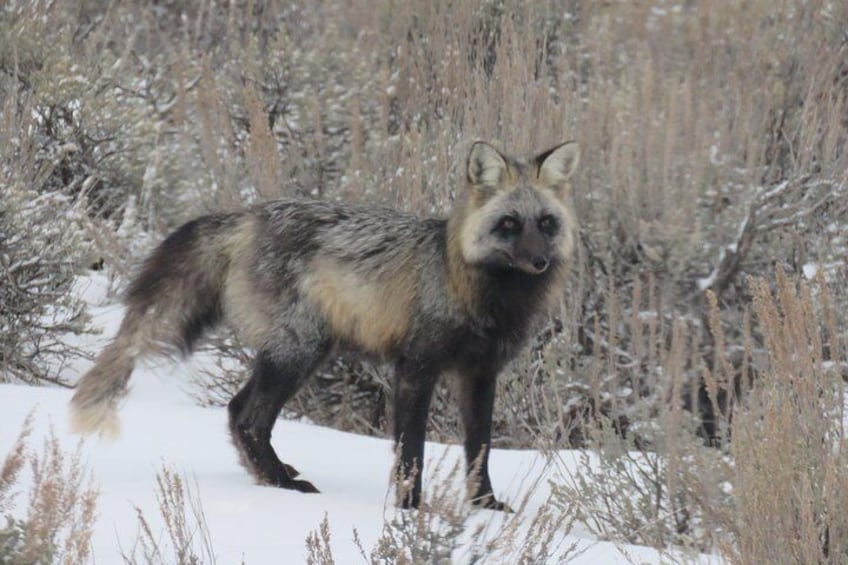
(700, 348)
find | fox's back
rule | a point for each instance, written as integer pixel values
(358, 233)
(364, 268)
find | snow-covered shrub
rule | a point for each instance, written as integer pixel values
(41, 250)
(77, 155)
(668, 495)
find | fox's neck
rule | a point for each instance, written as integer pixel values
(465, 281)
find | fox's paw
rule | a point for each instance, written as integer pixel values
(287, 482)
(303, 486)
(489, 502)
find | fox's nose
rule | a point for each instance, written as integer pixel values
(540, 264)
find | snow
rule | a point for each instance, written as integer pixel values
(250, 523)
(810, 270)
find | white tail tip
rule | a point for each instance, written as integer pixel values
(101, 419)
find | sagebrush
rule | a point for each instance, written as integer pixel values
(714, 139)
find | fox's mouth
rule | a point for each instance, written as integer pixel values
(502, 259)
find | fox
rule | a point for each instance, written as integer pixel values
(300, 280)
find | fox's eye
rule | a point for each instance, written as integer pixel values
(508, 226)
(548, 224)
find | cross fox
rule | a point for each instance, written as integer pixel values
(301, 279)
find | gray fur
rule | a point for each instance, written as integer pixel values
(300, 279)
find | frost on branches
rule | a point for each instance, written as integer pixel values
(41, 248)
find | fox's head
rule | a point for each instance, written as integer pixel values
(516, 213)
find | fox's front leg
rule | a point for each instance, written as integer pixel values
(477, 400)
(414, 384)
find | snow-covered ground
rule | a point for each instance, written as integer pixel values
(257, 525)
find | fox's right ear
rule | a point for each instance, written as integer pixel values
(558, 164)
(486, 166)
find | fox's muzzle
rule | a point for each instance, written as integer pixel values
(532, 252)
(534, 265)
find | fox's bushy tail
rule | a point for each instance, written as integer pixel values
(175, 298)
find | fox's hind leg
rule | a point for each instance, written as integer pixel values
(235, 408)
(278, 373)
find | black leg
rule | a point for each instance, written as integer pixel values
(254, 411)
(477, 399)
(412, 393)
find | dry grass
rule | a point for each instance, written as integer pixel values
(715, 146)
(770, 492)
(789, 443)
(443, 530)
(186, 539)
(56, 523)
(318, 547)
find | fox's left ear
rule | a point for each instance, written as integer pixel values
(486, 167)
(555, 166)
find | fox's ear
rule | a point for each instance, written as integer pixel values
(558, 164)
(486, 166)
